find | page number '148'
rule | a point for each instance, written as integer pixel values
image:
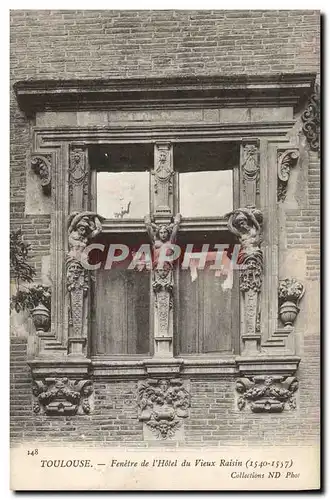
(33, 452)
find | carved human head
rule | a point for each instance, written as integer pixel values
(241, 221)
(163, 233)
(83, 227)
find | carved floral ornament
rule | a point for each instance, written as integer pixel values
(311, 120)
(285, 162)
(41, 165)
(290, 293)
(163, 404)
(61, 396)
(266, 393)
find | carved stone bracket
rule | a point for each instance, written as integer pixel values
(61, 396)
(267, 393)
(163, 404)
(41, 165)
(311, 121)
(290, 292)
(246, 224)
(285, 161)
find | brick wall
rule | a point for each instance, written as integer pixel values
(105, 44)
(214, 417)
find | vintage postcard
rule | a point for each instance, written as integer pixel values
(165, 249)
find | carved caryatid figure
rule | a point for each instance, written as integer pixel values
(82, 228)
(162, 238)
(246, 224)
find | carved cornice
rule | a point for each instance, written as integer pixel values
(285, 161)
(163, 404)
(267, 393)
(192, 92)
(41, 165)
(61, 396)
(311, 120)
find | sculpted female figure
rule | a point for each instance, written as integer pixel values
(162, 237)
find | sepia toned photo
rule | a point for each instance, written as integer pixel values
(165, 249)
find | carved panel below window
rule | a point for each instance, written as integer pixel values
(61, 396)
(267, 394)
(163, 404)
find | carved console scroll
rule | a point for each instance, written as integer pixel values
(42, 166)
(285, 161)
(61, 396)
(163, 404)
(246, 224)
(311, 121)
(266, 393)
(162, 238)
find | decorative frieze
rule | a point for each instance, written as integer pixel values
(163, 404)
(61, 396)
(82, 228)
(285, 162)
(311, 121)
(246, 224)
(162, 238)
(267, 393)
(290, 293)
(41, 165)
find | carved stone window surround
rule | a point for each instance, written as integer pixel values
(270, 136)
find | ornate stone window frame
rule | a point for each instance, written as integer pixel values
(267, 350)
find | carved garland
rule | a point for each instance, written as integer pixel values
(163, 404)
(78, 172)
(41, 165)
(61, 396)
(267, 394)
(285, 161)
(311, 121)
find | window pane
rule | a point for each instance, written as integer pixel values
(123, 195)
(206, 193)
